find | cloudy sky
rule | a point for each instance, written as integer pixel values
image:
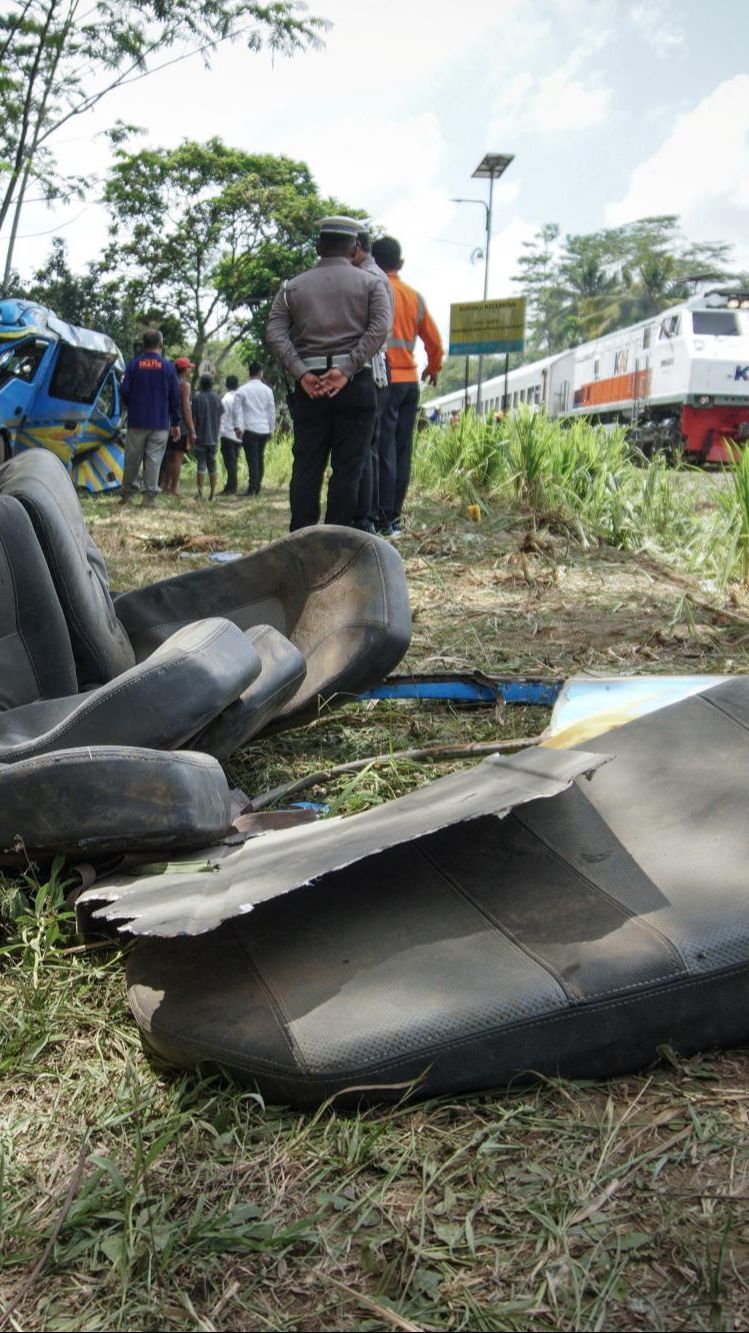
(614, 110)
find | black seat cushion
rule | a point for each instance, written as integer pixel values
(103, 799)
(282, 671)
(160, 703)
(36, 660)
(574, 937)
(100, 645)
(339, 595)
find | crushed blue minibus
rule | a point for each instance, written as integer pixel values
(59, 390)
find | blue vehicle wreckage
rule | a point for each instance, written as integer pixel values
(59, 390)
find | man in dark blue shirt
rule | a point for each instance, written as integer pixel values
(150, 391)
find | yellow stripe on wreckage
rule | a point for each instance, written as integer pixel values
(98, 469)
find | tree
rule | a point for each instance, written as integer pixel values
(60, 58)
(538, 278)
(210, 232)
(594, 283)
(95, 300)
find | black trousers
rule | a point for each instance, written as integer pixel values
(254, 451)
(368, 503)
(337, 429)
(396, 444)
(230, 454)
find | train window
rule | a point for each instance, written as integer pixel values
(647, 336)
(20, 362)
(620, 362)
(669, 327)
(515, 399)
(718, 323)
(596, 369)
(78, 374)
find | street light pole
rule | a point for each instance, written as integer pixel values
(491, 167)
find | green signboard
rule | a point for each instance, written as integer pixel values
(483, 328)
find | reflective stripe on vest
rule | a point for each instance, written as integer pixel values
(406, 343)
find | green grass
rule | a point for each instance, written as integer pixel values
(136, 1197)
(590, 480)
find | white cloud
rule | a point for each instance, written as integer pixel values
(659, 23)
(560, 101)
(701, 171)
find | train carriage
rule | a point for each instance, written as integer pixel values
(677, 380)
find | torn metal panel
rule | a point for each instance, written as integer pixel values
(589, 706)
(230, 882)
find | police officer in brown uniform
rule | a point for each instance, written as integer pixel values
(323, 327)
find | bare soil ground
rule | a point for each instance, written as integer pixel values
(137, 1198)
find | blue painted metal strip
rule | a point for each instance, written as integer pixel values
(541, 693)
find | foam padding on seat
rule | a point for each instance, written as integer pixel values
(39, 481)
(102, 799)
(282, 670)
(340, 596)
(575, 937)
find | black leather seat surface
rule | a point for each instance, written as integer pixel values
(36, 659)
(340, 596)
(160, 703)
(41, 484)
(574, 937)
(102, 799)
(282, 671)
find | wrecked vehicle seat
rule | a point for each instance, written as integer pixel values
(329, 607)
(159, 703)
(282, 671)
(40, 483)
(102, 799)
(340, 596)
(36, 659)
(88, 647)
(576, 936)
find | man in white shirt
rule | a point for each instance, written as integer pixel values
(255, 414)
(231, 433)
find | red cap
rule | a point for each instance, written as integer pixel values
(184, 363)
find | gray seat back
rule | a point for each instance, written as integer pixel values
(101, 648)
(36, 659)
(339, 595)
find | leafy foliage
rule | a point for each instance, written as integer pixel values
(591, 284)
(96, 300)
(211, 231)
(60, 58)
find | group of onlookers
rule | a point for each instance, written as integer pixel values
(345, 331)
(166, 420)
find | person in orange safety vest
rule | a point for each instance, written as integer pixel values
(411, 321)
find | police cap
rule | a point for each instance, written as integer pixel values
(340, 226)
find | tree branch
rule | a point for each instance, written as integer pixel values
(430, 753)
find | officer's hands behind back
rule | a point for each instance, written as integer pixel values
(326, 385)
